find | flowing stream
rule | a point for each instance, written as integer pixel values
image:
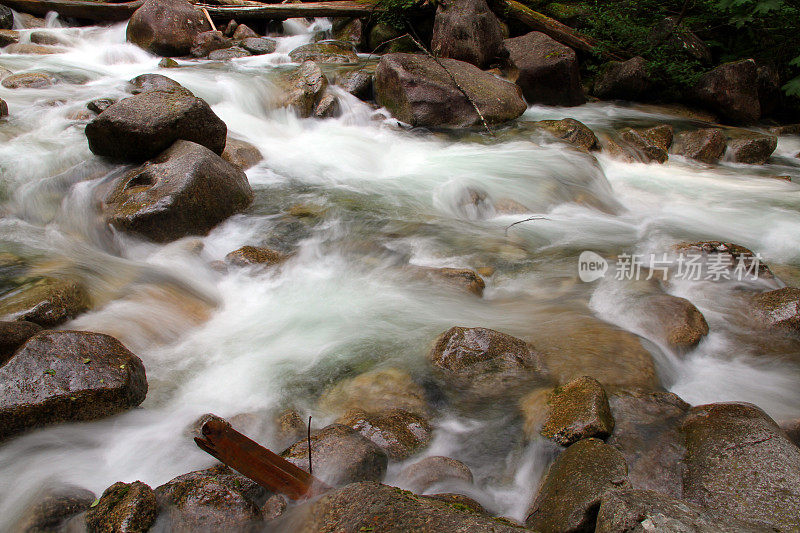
(382, 196)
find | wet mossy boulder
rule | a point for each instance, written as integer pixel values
(145, 83)
(546, 70)
(324, 52)
(303, 89)
(778, 309)
(706, 145)
(123, 508)
(399, 433)
(47, 302)
(418, 91)
(485, 363)
(751, 148)
(186, 190)
(340, 455)
(254, 255)
(435, 470)
(64, 376)
(166, 27)
(577, 410)
(571, 131)
(675, 321)
(467, 30)
(462, 278)
(651, 144)
(146, 124)
(258, 46)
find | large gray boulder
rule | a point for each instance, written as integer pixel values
(62, 376)
(546, 70)
(467, 30)
(418, 90)
(740, 463)
(144, 125)
(186, 190)
(731, 90)
(166, 27)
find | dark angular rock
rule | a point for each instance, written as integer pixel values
(303, 89)
(8, 37)
(166, 27)
(62, 376)
(243, 31)
(6, 18)
(358, 83)
(623, 80)
(754, 149)
(100, 104)
(578, 410)
(13, 335)
(208, 41)
(51, 507)
(731, 90)
(467, 30)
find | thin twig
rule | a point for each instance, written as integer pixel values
(308, 437)
(526, 220)
(208, 18)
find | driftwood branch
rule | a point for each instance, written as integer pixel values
(247, 457)
(558, 31)
(98, 11)
(529, 219)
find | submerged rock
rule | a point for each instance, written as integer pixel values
(62, 376)
(13, 335)
(706, 145)
(578, 410)
(48, 302)
(241, 153)
(340, 455)
(186, 190)
(571, 131)
(324, 52)
(651, 144)
(731, 90)
(548, 71)
(456, 277)
(623, 80)
(166, 27)
(372, 506)
(123, 508)
(467, 30)
(252, 255)
(739, 463)
(733, 255)
(399, 433)
(146, 124)
(570, 494)
(779, 308)
(418, 91)
(28, 80)
(430, 471)
(676, 321)
(51, 508)
(484, 362)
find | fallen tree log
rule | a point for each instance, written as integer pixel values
(330, 8)
(249, 458)
(98, 11)
(558, 31)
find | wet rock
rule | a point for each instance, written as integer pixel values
(217, 499)
(572, 346)
(548, 71)
(144, 125)
(376, 392)
(640, 511)
(623, 80)
(33, 49)
(733, 256)
(30, 21)
(45, 38)
(51, 507)
(234, 52)
(241, 153)
(754, 149)
(327, 107)
(341, 455)
(739, 463)
(457, 277)
(372, 506)
(208, 41)
(647, 432)
(778, 309)
(416, 90)
(258, 46)
(386, 39)
(100, 104)
(484, 362)
(146, 83)
(166, 27)
(13, 335)
(792, 429)
(123, 508)
(186, 190)
(358, 83)
(242, 32)
(706, 145)
(324, 52)
(290, 427)
(303, 88)
(571, 131)
(168, 62)
(274, 507)
(467, 30)
(252, 255)
(430, 471)
(676, 321)
(28, 80)
(60, 376)
(8, 36)
(47, 302)
(504, 206)
(652, 144)
(6, 18)
(399, 433)
(731, 90)
(570, 494)
(3, 108)
(350, 30)
(577, 410)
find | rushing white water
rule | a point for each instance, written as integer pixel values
(247, 341)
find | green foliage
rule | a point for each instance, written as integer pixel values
(396, 13)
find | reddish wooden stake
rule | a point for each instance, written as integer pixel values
(256, 462)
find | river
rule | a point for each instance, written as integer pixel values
(382, 196)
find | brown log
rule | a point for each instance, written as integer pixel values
(556, 30)
(98, 11)
(331, 8)
(250, 459)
